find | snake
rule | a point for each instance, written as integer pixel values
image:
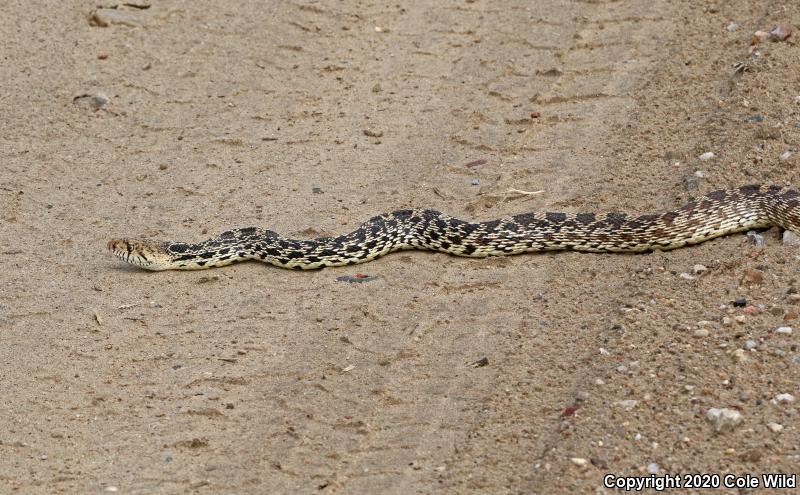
(713, 215)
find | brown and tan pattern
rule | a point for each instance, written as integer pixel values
(716, 214)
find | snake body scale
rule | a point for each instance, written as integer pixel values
(715, 214)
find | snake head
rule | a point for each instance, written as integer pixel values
(147, 255)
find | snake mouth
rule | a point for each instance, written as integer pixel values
(136, 253)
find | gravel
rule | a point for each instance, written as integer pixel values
(724, 419)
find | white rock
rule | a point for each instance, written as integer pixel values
(579, 461)
(740, 355)
(727, 321)
(731, 27)
(111, 488)
(652, 468)
(686, 276)
(784, 330)
(708, 155)
(775, 427)
(755, 238)
(628, 404)
(790, 238)
(786, 155)
(749, 344)
(599, 382)
(699, 174)
(699, 268)
(94, 101)
(724, 419)
(701, 332)
(783, 399)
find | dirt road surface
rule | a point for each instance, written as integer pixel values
(537, 374)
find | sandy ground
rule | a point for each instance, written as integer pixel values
(309, 117)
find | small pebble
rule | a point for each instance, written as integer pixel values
(784, 330)
(357, 279)
(785, 155)
(740, 318)
(599, 382)
(701, 332)
(783, 398)
(579, 461)
(708, 155)
(731, 27)
(755, 238)
(749, 344)
(316, 190)
(751, 310)
(653, 468)
(724, 419)
(111, 488)
(94, 101)
(775, 427)
(628, 404)
(727, 321)
(686, 276)
(780, 33)
(790, 238)
(697, 269)
(373, 133)
(476, 182)
(739, 355)
(740, 302)
(699, 174)
(755, 118)
(754, 276)
(758, 37)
